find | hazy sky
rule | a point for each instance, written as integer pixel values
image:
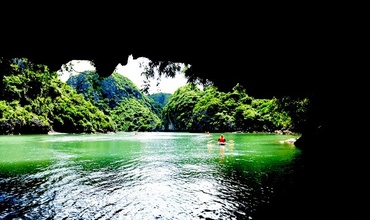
(132, 70)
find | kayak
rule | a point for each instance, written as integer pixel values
(221, 143)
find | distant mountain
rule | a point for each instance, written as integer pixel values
(161, 98)
(108, 92)
(120, 98)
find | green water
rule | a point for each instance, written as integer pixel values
(160, 175)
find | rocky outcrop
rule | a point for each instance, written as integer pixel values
(19, 127)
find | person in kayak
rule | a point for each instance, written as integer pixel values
(222, 139)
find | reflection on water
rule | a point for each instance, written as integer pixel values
(141, 175)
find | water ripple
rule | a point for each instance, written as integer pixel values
(171, 179)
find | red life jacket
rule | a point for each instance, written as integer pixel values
(221, 140)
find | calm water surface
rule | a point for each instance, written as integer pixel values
(144, 176)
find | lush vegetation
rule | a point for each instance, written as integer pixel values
(34, 100)
(120, 99)
(192, 109)
(161, 98)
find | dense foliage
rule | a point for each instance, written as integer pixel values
(119, 98)
(34, 100)
(191, 109)
(161, 98)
